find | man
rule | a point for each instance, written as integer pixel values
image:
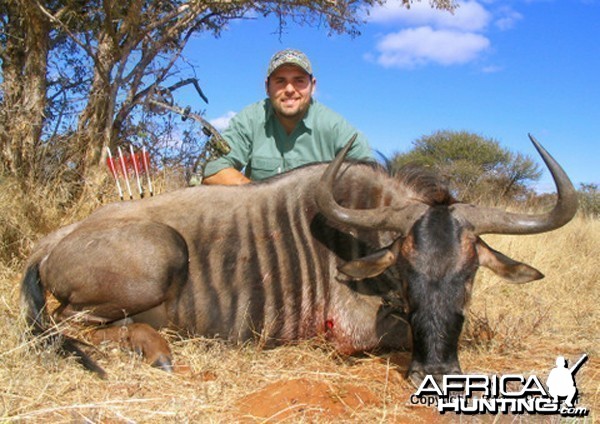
(285, 131)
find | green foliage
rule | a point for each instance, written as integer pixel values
(589, 200)
(478, 168)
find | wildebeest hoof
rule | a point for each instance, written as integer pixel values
(163, 362)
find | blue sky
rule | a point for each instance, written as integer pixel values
(500, 69)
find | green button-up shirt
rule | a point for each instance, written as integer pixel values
(261, 146)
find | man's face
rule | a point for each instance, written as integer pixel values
(290, 90)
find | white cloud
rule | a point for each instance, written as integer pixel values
(222, 122)
(492, 69)
(469, 16)
(508, 19)
(419, 46)
(423, 35)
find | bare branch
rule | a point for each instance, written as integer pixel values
(85, 47)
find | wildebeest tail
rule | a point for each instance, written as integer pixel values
(34, 305)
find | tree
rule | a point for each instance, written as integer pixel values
(116, 52)
(589, 200)
(476, 167)
(24, 52)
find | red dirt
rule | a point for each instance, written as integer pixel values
(305, 398)
(309, 400)
(313, 400)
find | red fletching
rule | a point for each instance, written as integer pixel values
(142, 161)
(143, 158)
(135, 159)
(139, 161)
(111, 166)
(128, 165)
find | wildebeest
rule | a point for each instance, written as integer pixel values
(341, 250)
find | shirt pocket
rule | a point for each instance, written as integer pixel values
(264, 167)
(293, 163)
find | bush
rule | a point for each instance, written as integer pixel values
(478, 168)
(589, 200)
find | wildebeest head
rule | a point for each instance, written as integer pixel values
(437, 256)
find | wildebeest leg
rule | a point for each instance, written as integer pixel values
(131, 270)
(64, 312)
(139, 337)
(118, 271)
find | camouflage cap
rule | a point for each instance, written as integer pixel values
(291, 57)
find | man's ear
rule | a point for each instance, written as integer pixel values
(505, 267)
(374, 264)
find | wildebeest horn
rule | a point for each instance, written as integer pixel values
(383, 218)
(494, 221)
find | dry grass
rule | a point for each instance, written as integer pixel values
(516, 329)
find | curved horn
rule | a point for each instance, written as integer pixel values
(494, 221)
(383, 218)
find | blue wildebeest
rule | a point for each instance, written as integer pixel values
(341, 250)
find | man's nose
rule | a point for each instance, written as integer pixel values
(289, 87)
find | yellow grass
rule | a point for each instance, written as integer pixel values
(518, 329)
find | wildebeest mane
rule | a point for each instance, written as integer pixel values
(424, 185)
(427, 186)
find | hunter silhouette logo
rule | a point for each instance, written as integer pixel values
(561, 381)
(505, 394)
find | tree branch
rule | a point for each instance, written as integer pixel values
(83, 46)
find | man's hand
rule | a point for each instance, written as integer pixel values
(227, 176)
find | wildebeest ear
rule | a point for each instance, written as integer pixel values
(507, 268)
(372, 265)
